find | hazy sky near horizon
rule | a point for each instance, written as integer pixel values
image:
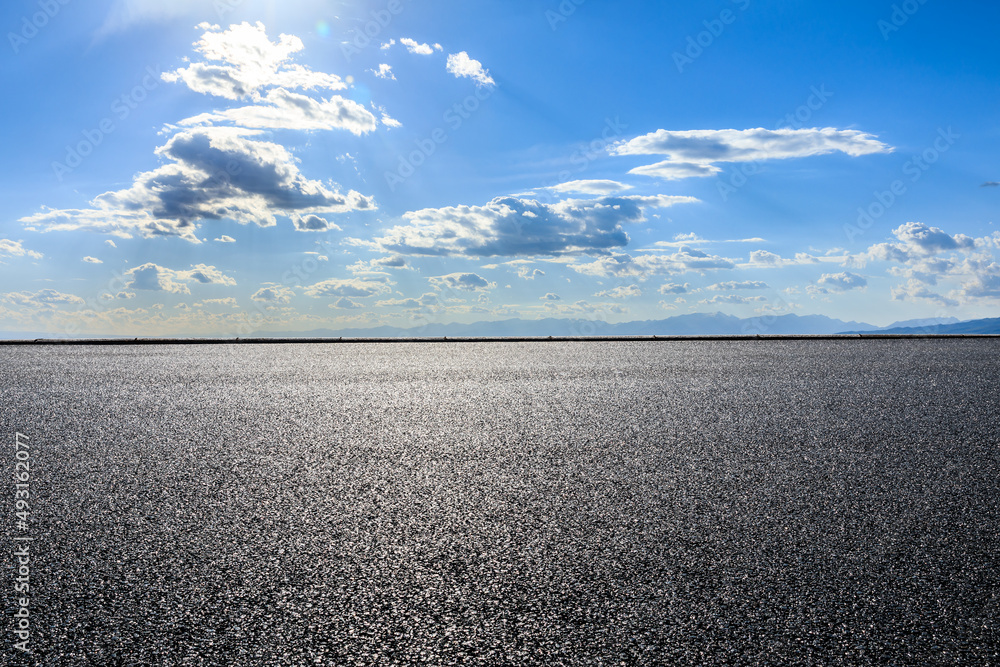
(219, 167)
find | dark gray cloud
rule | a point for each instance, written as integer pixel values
(509, 226)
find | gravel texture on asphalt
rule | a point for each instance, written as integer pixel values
(704, 502)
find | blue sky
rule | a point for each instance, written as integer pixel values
(216, 168)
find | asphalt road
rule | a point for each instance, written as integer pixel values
(753, 502)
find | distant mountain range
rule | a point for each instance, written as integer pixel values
(697, 324)
(988, 326)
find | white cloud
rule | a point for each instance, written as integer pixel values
(110, 243)
(273, 293)
(916, 241)
(763, 259)
(501, 227)
(92, 260)
(916, 290)
(345, 303)
(675, 171)
(620, 292)
(390, 122)
(413, 46)
(592, 187)
(461, 65)
(42, 299)
(462, 281)
(349, 287)
(731, 286)
(225, 239)
(643, 267)
(837, 282)
(696, 153)
(213, 173)
(732, 299)
(281, 109)
(384, 71)
(156, 278)
(228, 302)
(16, 249)
(527, 273)
(675, 288)
(387, 45)
(313, 223)
(427, 300)
(243, 61)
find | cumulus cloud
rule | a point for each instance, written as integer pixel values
(508, 226)
(764, 259)
(732, 286)
(732, 299)
(283, 109)
(916, 241)
(110, 243)
(223, 239)
(550, 296)
(837, 282)
(312, 223)
(42, 299)
(273, 293)
(916, 290)
(643, 267)
(985, 279)
(461, 65)
(241, 61)
(349, 287)
(470, 282)
(413, 46)
(675, 288)
(592, 187)
(345, 303)
(426, 300)
(156, 278)
(675, 171)
(384, 71)
(228, 302)
(527, 273)
(92, 260)
(213, 173)
(696, 153)
(10, 248)
(620, 292)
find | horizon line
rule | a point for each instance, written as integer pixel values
(482, 339)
